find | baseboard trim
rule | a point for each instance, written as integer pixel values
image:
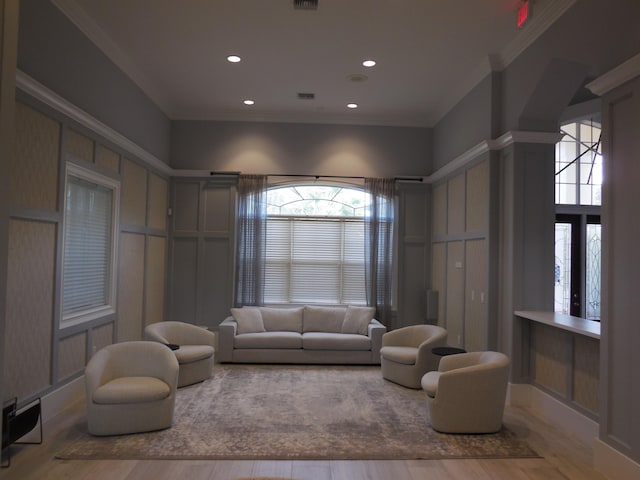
(613, 464)
(57, 401)
(554, 411)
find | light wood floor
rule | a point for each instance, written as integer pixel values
(563, 458)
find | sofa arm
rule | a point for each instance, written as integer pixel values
(376, 331)
(226, 335)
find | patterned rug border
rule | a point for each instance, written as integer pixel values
(94, 445)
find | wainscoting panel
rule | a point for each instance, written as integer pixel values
(107, 158)
(72, 352)
(155, 279)
(102, 336)
(217, 210)
(456, 205)
(478, 188)
(34, 168)
(185, 210)
(157, 203)
(133, 210)
(455, 292)
(215, 290)
(130, 286)
(439, 277)
(552, 349)
(79, 146)
(439, 211)
(184, 268)
(30, 287)
(586, 372)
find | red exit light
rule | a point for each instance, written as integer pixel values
(524, 12)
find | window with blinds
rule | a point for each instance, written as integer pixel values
(89, 246)
(315, 245)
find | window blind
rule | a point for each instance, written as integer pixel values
(315, 260)
(87, 246)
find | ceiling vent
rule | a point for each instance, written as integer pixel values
(306, 96)
(305, 4)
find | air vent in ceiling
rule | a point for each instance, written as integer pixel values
(305, 4)
(306, 96)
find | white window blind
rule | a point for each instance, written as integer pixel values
(88, 247)
(315, 260)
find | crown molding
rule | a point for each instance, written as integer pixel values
(34, 88)
(505, 140)
(616, 77)
(79, 17)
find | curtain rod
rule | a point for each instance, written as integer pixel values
(317, 177)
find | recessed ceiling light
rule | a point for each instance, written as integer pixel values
(233, 58)
(352, 105)
(369, 63)
(248, 102)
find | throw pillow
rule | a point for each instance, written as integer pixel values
(323, 319)
(282, 319)
(357, 319)
(249, 320)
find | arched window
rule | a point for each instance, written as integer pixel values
(315, 245)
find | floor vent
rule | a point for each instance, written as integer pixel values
(306, 96)
(305, 4)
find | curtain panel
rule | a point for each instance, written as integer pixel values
(379, 220)
(251, 243)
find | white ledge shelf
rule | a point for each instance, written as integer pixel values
(577, 325)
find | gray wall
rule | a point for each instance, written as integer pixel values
(620, 388)
(55, 53)
(307, 149)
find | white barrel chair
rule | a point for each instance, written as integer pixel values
(131, 387)
(406, 353)
(195, 352)
(467, 394)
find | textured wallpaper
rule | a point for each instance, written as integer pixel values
(34, 168)
(30, 288)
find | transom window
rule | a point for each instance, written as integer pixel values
(578, 231)
(315, 245)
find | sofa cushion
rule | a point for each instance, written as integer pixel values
(282, 319)
(193, 353)
(249, 320)
(335, 341)
(403, 355)
(268, 340)
(323, 319)
(131, 390)
(357, 319)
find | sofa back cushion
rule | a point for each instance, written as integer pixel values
(282, 319)
(357, 319)
(249, 320)
(323, 319)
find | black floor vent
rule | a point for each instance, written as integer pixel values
(305, 4)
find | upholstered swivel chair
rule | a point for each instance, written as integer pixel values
(131, 387)
(195, 352)
(406, 354)
(467, 393)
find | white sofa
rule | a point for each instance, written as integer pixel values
(309, 334)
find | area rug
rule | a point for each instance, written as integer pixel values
(297, 412)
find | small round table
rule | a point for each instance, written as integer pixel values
(444, 351)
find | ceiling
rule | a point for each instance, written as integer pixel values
(429, 54)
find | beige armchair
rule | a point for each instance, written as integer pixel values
(406, 354)
(131, 388)
(467, 393)
(195, 355)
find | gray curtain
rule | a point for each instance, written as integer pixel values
(250, 252)
(379, 220)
